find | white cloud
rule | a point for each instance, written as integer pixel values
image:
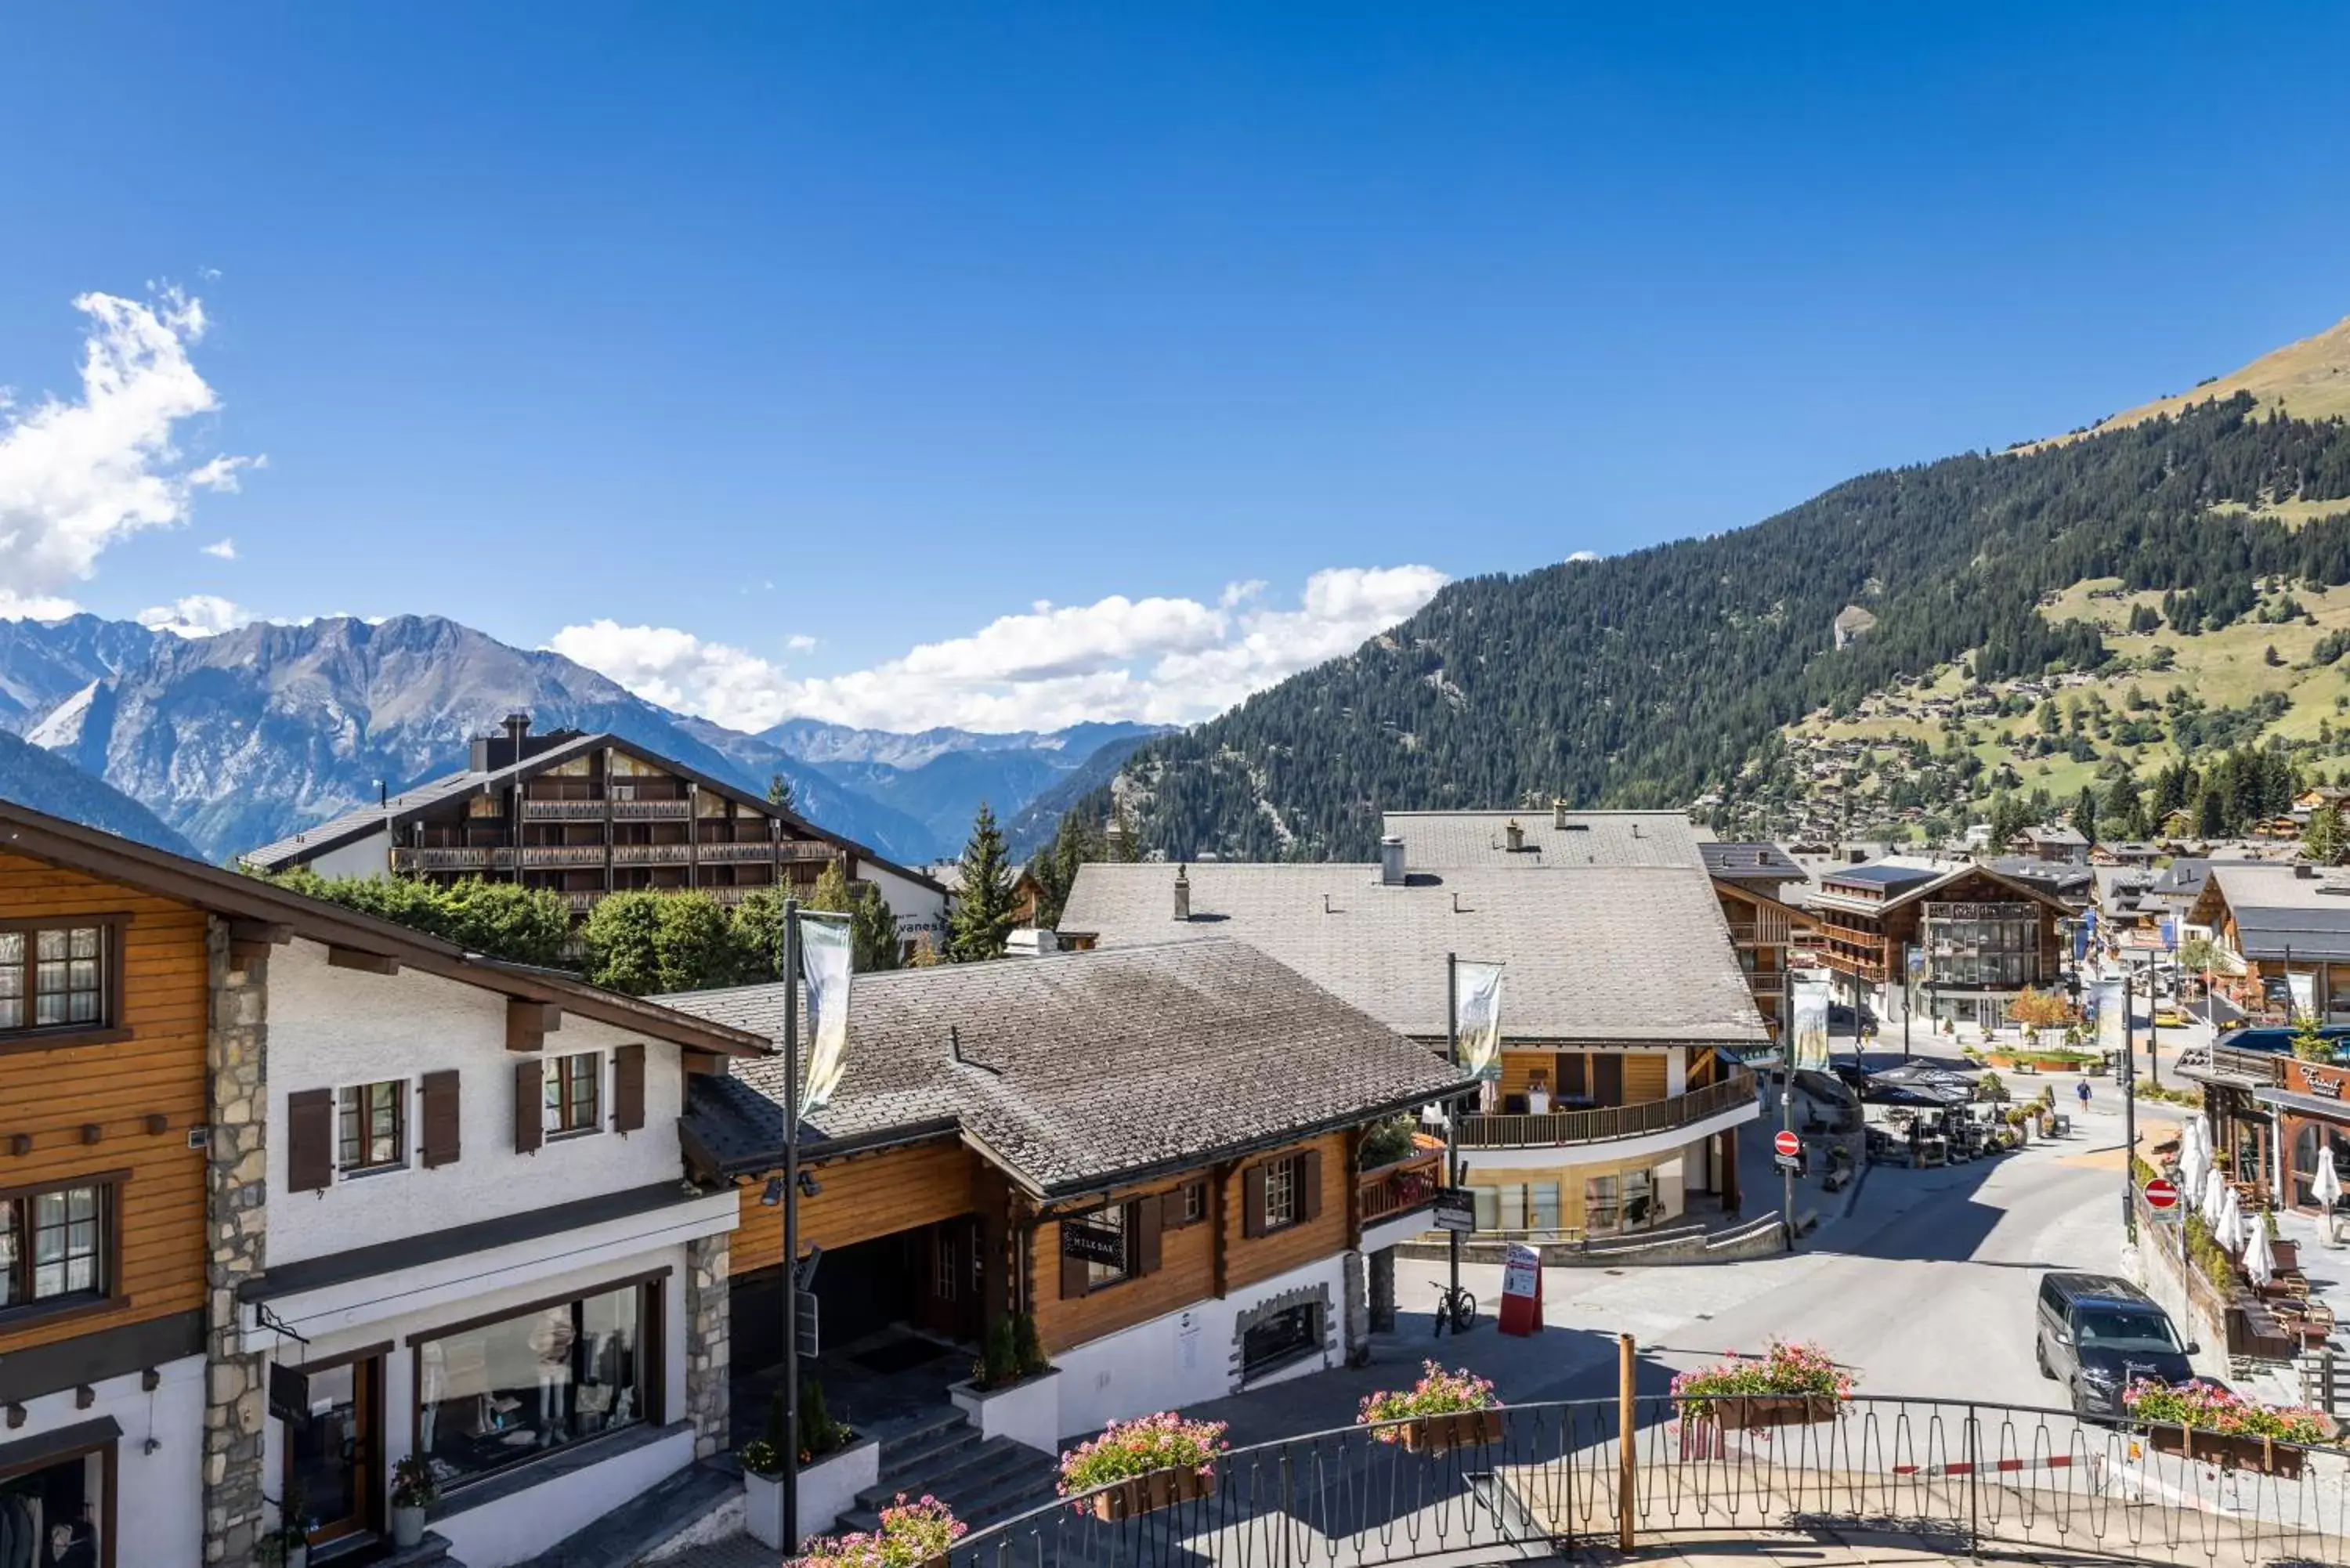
(800, 642)
(197, 615)
(221, 549)
(78, 475)
(1169, 660)
(15, 606)
(1584, 555)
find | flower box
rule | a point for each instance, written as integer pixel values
(2229, 1451)
(1028, 1411)
(827, 1488)
(1462, 1429)
(1150, 1493)
(1751, 1412)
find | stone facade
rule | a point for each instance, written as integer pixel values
(708, 1358)
(1315, 1297)
(1383, 1290)
(1358, 1310)
(237, 1194)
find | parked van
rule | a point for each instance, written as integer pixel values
(2098, 1334)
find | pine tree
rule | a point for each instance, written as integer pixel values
(2323, 840)
(873, 930)
(1054, 867)
(2084, 815)
(2211, 814)
(832, 893)
(2123, 810)
(780, 795)
(984, 907)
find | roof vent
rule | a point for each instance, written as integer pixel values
(1391, 873)
(1182, 892)
(1515, 837)
(2305, 871)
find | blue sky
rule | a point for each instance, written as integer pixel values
(783, 357)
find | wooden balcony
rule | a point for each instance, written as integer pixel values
(1768, 928)
(1391, 1190)
(563, 811)
(649, 810)
(734, 854)
(1601, 1125)
(563, 855)
(649, 854)
(442, 859)
(582, 902)
(808, 849)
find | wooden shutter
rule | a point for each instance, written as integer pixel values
(1606, 1078)
(440, 1143)
(1253, 1201)
(1309, 1185)
(1145, 1218)
(629, 1088)
(311, 1140)
(530, 1106)
(1074, 1276)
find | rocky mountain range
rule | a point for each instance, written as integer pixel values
(232, 741)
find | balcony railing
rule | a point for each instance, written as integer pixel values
(582, 902)
(650, 854)
(563, 810)
(2265, 1069)
(443, 859)
(1391, 1190)
(1607, 1122)
(563, 855)
(1768, 927)
(807, 849)
(721, 854)
(644, 810)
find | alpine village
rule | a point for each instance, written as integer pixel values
(1819, 1037)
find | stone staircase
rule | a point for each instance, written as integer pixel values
(984, 1481)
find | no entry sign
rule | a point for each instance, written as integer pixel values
(1788, 1144)
(2161, 1193)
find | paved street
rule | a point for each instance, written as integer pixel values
(1924, 1288)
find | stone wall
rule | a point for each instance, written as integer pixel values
(708, 1353)
(236, 1211)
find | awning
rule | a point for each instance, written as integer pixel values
(2307, 1105)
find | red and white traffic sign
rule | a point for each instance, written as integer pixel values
(1788, 1144)
(2161, 1193)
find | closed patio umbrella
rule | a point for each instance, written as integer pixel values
(2190, 1155)
(2327, 1187)
(2214, 1197)
(2260, 1262)
(2229, 1231)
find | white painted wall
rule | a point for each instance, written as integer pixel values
(918, 907)
(1147, 1368)
(527, 1522)
(159, 1509)
(330, 1027)
(370, 855)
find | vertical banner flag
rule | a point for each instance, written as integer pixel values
(825, 951)
(2113, 1013)
(2305, 993)
(2171, 936)
(1477, 1017)
(1811, 1025)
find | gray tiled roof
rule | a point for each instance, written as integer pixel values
(1597, 954)
(2278, 910)
(1443, 838)
(1078, 1069)
(1757, 862)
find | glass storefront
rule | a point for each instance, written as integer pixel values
(494, 1393)
(53, 1517)
(330, 1453)
(1987, 945)
(1628, 1201)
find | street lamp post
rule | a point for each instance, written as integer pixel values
(791, 1206)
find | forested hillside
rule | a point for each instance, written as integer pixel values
(1655, 677)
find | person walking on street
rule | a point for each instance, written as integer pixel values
(2082, 1089)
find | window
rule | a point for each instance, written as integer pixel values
(54, 977)
(1280, 1194)
(1108, 1222)
(574, 1092)
(1188, 1205)
(54, 1245)
(492, 1393)
(374, 1128)
(1287, 1336)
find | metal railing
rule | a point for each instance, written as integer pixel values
(1923, 1477)
(760, 851)
(563, 810)
(440, 859)
(1607, 1122)
(642, 853)
(638, 810)
(1409, 1183)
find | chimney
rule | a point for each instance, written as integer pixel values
(1182, 892)
(517, 726)
(2305, 871)
(1515, 837)
(1030, 941)
(1558, 811)
(1391, 861)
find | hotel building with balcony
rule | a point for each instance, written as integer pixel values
(1959, 942)
(587, 816)
(1625, 1010)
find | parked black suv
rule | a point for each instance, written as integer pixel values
(2098, 1334)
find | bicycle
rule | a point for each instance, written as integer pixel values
(1455, 1308)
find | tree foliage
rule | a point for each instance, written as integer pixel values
(986, 905)
(500, 920)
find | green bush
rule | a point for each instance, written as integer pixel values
(1027, 1351)
(999, 1361)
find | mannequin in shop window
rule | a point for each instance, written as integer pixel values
(551, 1342)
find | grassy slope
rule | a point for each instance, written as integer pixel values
(2226, 669)
(2309, 379)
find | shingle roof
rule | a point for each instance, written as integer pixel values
(2276, 909)
(1452, 838)
(1077, 1070)
(1597, 954)
(1759, 862)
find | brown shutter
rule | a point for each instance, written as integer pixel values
(1607, 1078)
(1074, 1277)
(530, 1106)
(1570, 1074)
(1309, 1184)
(1253, 1201)
(1146, 1217)
(311, 1140)
(629, 1088)
(441, 1140)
